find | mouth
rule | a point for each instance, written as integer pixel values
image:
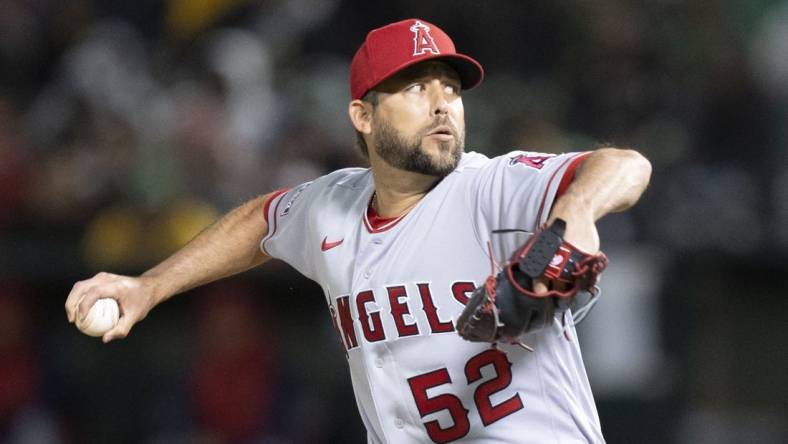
(442, 132)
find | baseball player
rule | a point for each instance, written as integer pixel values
(400, 248)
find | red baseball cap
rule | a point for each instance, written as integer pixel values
(392, 48)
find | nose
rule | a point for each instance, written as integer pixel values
(440, 103)
(441, 107)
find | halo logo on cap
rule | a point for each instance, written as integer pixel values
(422, 40)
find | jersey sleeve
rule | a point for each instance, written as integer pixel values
(516, 191)
(287, 214)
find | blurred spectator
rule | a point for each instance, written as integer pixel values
(24, 417)
(234, 377)
(16, 164)
(127, 237)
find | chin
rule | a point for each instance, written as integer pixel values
(445, 161)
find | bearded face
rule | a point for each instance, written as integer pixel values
(418, 119)
(410, 154)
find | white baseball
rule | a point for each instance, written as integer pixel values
(103, 315)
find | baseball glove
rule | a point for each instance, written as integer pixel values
(506, 306)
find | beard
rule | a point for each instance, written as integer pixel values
(410, 155)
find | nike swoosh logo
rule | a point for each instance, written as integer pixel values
(325, 246)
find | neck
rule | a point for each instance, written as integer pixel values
(397, 191)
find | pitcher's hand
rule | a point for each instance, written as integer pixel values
(135, 297)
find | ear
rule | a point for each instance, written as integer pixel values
(361, 116)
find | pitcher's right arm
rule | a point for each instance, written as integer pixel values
(229, 246)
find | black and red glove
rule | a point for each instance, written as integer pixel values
(506, 306)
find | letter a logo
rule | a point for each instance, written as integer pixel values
(422, 40)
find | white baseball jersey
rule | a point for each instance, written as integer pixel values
(395, 288)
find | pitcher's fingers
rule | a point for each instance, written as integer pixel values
(89, 297)
(121, 329)
(78, 291)
(74, 298)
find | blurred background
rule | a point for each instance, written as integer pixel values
(127, 127)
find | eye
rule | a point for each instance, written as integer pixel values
(415, 88)
(452, 88)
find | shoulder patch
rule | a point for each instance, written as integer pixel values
(531, 160)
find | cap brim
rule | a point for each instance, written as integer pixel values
(470, 71)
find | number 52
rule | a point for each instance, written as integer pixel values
(489, 413)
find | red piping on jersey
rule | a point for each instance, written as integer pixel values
(276, 209)
(566, 179)
(268, 201)
(377, 224)
(569, 175)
